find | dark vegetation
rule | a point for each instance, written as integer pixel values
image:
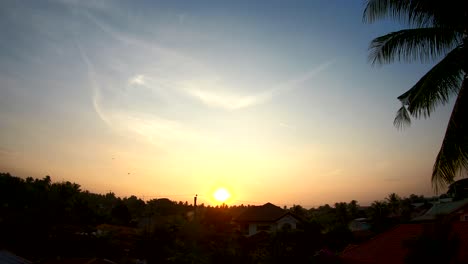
(42, 220)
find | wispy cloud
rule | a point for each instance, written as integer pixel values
(226, 101)
(6, 152)
(156, 130)
(95, 90)
(230, 101)
(165, 74)
(151, 48)
(282, 124)
(139, 79)
(214, 93)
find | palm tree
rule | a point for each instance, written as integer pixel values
(394, 202)
(341, 211)
(437, 30)
(379, 210)
(353, 209)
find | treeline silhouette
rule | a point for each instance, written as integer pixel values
(42, 220)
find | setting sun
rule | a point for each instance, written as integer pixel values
(221, 195)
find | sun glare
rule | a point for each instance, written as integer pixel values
(221, 195)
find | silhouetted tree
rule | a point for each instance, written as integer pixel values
(341, 211)
(353, 209)
(393, 203)
(436, 30)
(416, 198)
(120, 214)
(406, 208)
(299, 211)
(135, 206)
(378, 212)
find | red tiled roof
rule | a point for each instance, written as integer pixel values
(389, 247)
(442, 209)
(265, 213)
(461, 228)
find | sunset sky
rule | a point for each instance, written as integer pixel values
(275, 101)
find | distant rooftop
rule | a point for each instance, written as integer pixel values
(265, 213)
(441, 209)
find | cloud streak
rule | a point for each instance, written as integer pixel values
(226, 101)
(230, 101)
(214, 95)
(6, 152)
(147, 71)
(96, 93)
(154, 129)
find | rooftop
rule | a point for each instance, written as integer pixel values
(265, 213)
(441, 209)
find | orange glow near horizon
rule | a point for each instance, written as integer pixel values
(280, 115)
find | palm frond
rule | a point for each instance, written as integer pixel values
(402, 118)
(381, 9)
(436, 86)
(421, 44)
(417, 13)
(453, 155)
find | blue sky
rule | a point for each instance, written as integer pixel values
(273, 100)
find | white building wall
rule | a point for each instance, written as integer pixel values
(253, 227)
(287, 220)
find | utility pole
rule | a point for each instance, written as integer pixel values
(195, 206)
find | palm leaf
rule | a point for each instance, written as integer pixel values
(453, 155)
(395, 9)
(413, 44)
(436, 86)
(437, 29)
(417, 13)
(402, 118)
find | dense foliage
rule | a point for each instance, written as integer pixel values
(41, 220)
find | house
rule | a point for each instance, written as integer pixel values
(392, 247)
(456, 211)
(359, 224)
(459, 189)
(361, 229)
(267, 218)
